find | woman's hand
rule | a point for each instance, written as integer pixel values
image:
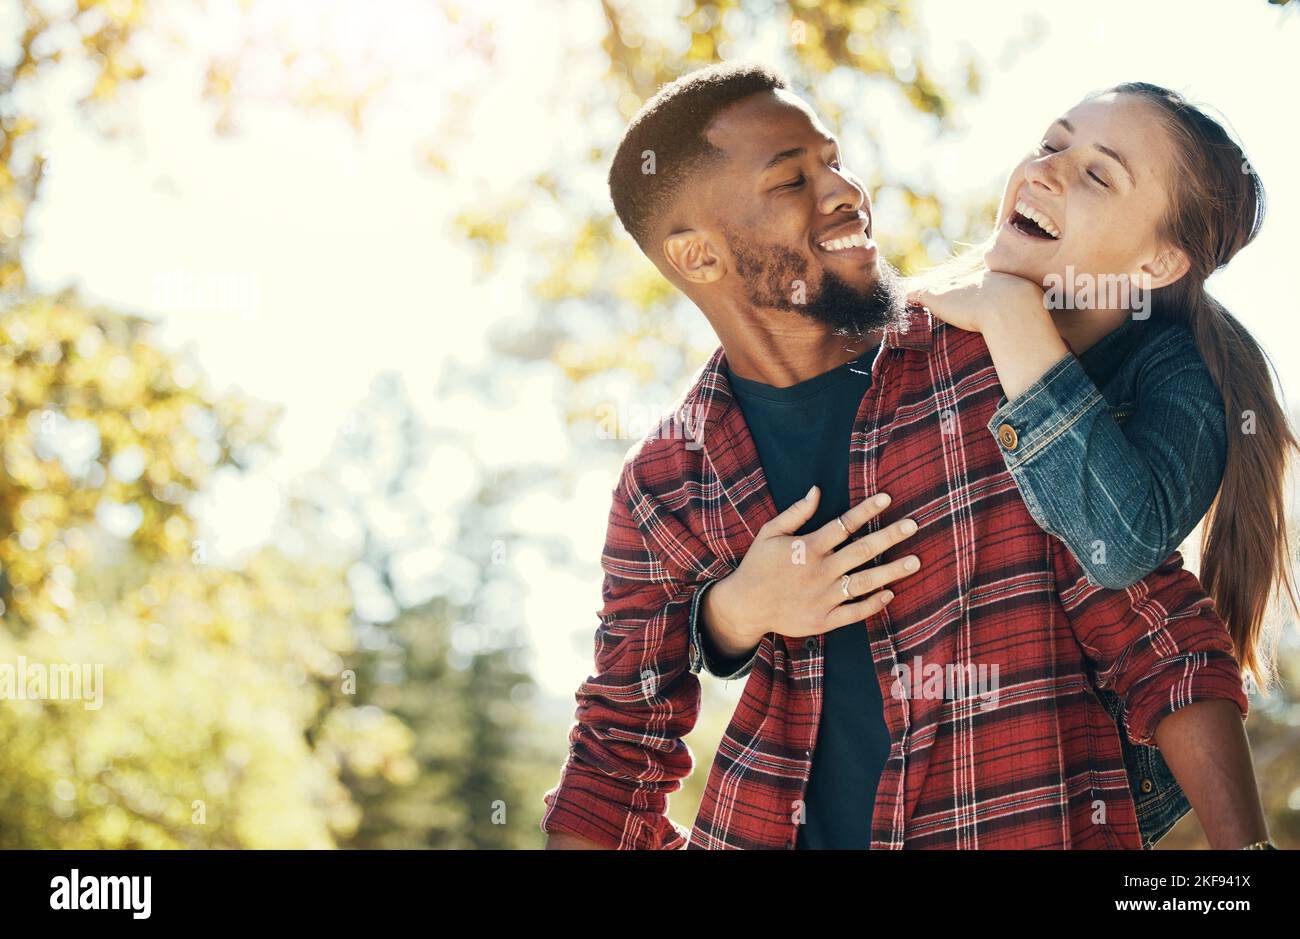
(973, 301)
(1010, 313)
(795, 584)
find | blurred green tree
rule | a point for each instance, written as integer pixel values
(222, 717)
(221, 712)
(439, 647)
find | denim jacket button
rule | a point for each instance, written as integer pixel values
(1008, 437)
(1147, 786)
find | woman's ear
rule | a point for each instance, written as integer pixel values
(691, 255)
(1166, 267)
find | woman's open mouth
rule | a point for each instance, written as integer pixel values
(1029, 221)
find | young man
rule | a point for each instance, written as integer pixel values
(859, 725)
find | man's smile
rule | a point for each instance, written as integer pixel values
(848, 240)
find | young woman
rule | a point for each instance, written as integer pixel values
(1134, 404)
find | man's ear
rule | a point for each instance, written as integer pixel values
(1166, 267)
(691, 254)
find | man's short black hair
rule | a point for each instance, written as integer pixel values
(671, 127)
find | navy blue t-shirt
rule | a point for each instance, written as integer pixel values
(802, 437)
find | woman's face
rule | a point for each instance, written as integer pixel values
(1089, 197)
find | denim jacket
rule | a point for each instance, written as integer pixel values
(1119, 453)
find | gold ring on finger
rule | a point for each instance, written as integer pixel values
(842, 525)
(844, 587)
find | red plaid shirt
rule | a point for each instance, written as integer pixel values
(1041, 769)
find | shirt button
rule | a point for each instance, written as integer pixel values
(810, 645)
(1147, 785)
(1008, 437)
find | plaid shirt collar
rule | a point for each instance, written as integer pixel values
(724, 436)
(914, 330)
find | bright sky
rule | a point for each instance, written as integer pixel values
(298, 261)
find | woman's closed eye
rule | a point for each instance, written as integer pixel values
(1044, 147)
(793, 184)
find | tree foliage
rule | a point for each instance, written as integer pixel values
(222, 719)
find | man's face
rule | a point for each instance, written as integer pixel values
(796, 223)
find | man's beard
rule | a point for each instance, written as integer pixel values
(775, 277)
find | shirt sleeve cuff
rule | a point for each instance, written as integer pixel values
(1178, 682)
(1044, 412)
(700, 655)
(591, 806)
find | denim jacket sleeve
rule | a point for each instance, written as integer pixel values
(1122, 499)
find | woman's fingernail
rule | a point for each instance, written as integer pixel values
(886, 596)
(882, 499)
(908, 526)
(912, 563)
